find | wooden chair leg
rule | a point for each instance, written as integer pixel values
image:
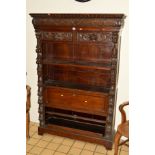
(27, 124)
(117, 139)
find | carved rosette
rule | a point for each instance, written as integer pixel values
(40, 80)
(114, 66)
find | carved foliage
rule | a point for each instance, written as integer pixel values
(115, 37)
(57, 36)
(95, 36)
(83, 21)
(40, 82)
(112, 94)
(109, 123)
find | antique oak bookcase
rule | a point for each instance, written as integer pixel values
(77, 66)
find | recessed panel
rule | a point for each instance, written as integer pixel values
(57, 51)
(93, 52)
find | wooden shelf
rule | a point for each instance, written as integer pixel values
(82, 64)
(76, 117)
(76, 86)
(76, 124)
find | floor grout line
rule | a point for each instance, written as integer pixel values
(44, 146)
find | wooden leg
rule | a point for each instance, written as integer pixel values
(117, 139)
(40, 131)
(27, 124)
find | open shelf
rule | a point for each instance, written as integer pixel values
(72, 119)
(76, 86)
(98, 65)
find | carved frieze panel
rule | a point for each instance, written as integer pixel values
(78, 22)
(57, 36)
(95, 36)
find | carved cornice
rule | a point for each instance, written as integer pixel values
(95, 20)
(74, 15)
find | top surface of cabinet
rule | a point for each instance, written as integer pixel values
(87, 15)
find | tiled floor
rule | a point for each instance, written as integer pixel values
(55, 145)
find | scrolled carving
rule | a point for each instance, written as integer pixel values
(40, 79)
(38, 36)
(40, 82)
(40, 99)
(109, 119)
(41, 108)
(41, 116)
(115, 37)
(114, 63)
(39, 68)
(108, 127)
(110, 110)
(95, 36)
(42, 123)
(57, 36)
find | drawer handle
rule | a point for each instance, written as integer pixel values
(85, 101)
(61, 95)
(73, 28)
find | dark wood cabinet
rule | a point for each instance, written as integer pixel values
(78, 61)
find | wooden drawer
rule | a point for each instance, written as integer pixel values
(76, 100)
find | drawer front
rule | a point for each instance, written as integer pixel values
(76, 100)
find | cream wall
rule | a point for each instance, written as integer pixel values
(71, 6)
